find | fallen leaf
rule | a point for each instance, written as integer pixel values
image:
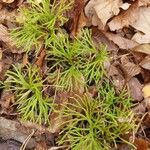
(146, 75)
(125, 18)
(135, 88)
(143, 25)
(7, 15)
(141, 144)
(130, 70)
(77, 19)
(7, 1)
(146, 91)
(146, 63)
(100, 38)
(41, 146)
(143, 48)
(40, 58)
(125, 6)
(7, 99)
(117, 78)
(140, 108)
(5, 37)
(138, 57)
(144, 2)
(105, 9)
(122, 42)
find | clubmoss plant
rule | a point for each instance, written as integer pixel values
(27, 86)
(97, 124)
(39, 23)
(78, 62)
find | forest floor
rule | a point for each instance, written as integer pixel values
(74, 75)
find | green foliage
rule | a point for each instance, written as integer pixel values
(96, 124)
(27, 86)
(78, 62)
(39, 23)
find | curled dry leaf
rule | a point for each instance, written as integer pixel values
(143, 48)
(122, 42)
(146, 63)
(105, 9)
(143, 25)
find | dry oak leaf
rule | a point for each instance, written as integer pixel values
(143, 25)
(122, 42)
(105, 9)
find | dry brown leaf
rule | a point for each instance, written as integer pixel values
(8, 42)
(7, 15)
(4, 35)
(130, 70)
(105, 9)
(146, 63)
(40, 58)
(7, 99)
(141, 144)
(41, 146)
(125, 18)
(146, 91)
(143, 48)
(143, 25)
(117, 78)
(135, 88)
(145, 75)
(77, 19)
(99, 37)
(122, 42)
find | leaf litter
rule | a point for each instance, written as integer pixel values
(124, 26)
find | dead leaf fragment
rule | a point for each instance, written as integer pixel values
(122, 42)
(130, 70)
(146, 63)
(8, 1)
(143, 48)
(143, 25)
(135, 88)
(105, 9)
(126, 18)
(146, 91)
(141, 144)
(100, 38)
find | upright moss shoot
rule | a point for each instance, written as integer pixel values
(39, 23)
